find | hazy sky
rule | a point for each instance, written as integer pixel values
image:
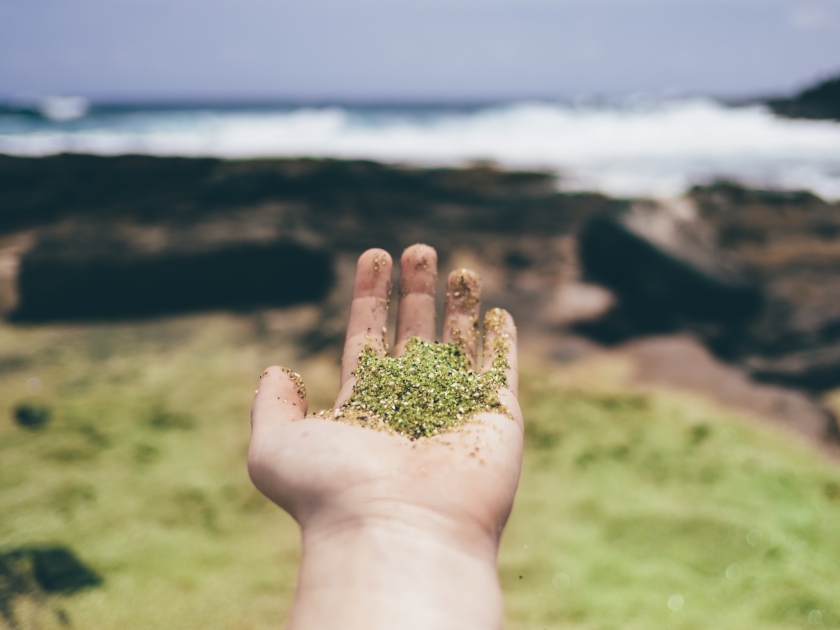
(413, 49)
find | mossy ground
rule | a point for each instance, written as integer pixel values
(626, 500)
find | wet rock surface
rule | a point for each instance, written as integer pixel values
(56, 281)
(753, 274)
(821, 101)
(131, 236)
(667, 272)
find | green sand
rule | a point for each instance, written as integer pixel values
(626, 499)
(428, 390)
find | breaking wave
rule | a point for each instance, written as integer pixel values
(638, 148)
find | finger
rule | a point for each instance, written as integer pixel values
(280, 397)
(460, 319)
(500, 346)
(416, 314)
(369, 310)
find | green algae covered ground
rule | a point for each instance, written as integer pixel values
(636, 509)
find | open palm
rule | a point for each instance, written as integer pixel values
(329, 474)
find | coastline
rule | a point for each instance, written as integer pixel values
(89, 237)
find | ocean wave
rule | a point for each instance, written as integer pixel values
(647, 148)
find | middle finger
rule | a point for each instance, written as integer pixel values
(416, 313)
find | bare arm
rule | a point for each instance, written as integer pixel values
(396, 533)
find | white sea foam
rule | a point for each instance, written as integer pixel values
(61, 108)
(635, 149)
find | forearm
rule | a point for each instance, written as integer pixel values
(387, 576)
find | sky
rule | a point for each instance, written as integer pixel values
(413, 50)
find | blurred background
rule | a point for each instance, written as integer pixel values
(651, 188)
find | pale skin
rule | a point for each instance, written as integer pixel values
(395, 533)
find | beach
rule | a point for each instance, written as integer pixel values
(679, 360)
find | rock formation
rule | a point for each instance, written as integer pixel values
(821, 102)
(755, 274)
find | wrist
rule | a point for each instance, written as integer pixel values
(397, 573)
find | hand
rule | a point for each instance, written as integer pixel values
(396, 533)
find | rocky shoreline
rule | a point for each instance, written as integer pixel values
(754, 274)
(821, 102)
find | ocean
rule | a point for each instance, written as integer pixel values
(636, 147)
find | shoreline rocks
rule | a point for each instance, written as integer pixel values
(821, 102)
(754, 274)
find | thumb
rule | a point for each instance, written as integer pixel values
(280, 397)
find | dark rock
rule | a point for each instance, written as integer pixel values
(815, 368)
(821, 102)
(32, 572)
(152, 190)
(666, 275)
(58, 570)
(58, 282)
(133, 236)
(752, 273)
(519, 260)
(32, 417)
(755, 274)
(789, 241)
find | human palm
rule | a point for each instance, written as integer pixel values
(458, 485)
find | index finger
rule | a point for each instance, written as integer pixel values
(369, 309)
